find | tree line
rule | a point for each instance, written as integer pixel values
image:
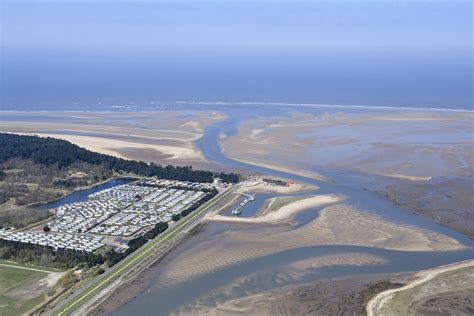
(47, 256)
(22, 217)
(57, 152)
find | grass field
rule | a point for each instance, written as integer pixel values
(21, 288)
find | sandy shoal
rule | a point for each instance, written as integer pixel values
(337, 224)
(285, 212)
(404, 176)
(110, 147)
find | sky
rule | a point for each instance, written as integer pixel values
(374, 52)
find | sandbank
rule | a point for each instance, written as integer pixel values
(285, 212)
(337, 224)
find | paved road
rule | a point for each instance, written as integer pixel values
(158, 244)
(25, 268)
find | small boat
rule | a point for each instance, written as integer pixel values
(236, 211)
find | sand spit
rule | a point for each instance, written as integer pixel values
(376, 304)
(303, 173)
(285, 212)
(261, 186)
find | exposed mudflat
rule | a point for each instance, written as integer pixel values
(448, 201)
(407, 145)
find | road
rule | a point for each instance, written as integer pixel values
(88, 291)
(27, 268)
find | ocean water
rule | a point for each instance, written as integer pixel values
(139, 85)
(137, 55)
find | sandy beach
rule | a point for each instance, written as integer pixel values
(124, 149)
(161, 137)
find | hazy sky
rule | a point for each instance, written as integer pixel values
(317, 35)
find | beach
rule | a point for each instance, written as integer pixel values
(159, 137)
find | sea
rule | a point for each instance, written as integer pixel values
(144, 86)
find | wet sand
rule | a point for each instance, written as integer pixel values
(391, 145)
(278, 302)
(234, 246)
(423, 160)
